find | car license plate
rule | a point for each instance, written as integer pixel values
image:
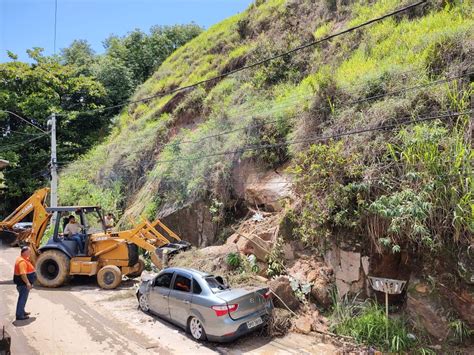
(254, 323)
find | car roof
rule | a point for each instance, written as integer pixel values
(193, 272)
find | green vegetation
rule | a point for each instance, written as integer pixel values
(368, 325)
(72, 84)
(233, 260)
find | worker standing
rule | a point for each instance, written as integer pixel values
(24, 277)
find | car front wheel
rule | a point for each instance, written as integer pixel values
(196, 329)
(143, 302)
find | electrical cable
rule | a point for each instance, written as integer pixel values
(265, 60)
(25, 120)
(421, 86)
(320, 138)
(13, 146)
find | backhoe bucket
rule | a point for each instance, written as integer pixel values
(8, 237)
(164, 253)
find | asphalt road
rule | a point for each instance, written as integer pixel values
(81, 318)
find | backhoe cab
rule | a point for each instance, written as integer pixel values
(108, 255)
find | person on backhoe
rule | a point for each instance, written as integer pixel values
(109, 221)
(24, 276)
(73, 231)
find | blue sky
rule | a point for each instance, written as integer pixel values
(30, 23)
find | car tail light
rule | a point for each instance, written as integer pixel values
(267, 295)
(223, 310)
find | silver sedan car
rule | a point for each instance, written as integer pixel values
(204, 305)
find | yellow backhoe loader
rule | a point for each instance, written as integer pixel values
(107, 254)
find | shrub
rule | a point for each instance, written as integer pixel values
(324, 177)
(432, 202)
(233, 260)
(368, 324)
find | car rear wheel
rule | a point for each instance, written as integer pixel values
(143, 302)
(196, 329)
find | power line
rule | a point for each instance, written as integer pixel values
(358, 101)
(265, 60)
(55, 22)
(25, 120)
(8, 130)
(13, 146)
(320, 138)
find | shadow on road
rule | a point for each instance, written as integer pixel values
(247, 342)
(22, 323)
(6, 282)
(79, 283)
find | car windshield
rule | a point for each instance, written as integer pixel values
(216, 283)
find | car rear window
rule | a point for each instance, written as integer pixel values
(196, 287)
(216, 284)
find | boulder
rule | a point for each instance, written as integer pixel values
(350, 269)
(288, 252)
(251, 244)
(319, 323)
(282, 288)
(193, 222)
(309, 269)
(303, 324)
(269, 191)
(258, 187)
(422, 311)
(255, 245)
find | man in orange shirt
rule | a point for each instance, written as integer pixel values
(24, 277)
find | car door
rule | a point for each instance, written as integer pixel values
(180, 298)
(159, 294)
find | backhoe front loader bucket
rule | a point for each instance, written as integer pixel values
(162, 254)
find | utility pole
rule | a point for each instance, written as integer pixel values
(53, 163)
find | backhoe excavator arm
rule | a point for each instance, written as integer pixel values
(35, 204)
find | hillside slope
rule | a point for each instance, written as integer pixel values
(142, 167)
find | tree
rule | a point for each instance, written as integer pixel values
(34, 91)
(80, 54)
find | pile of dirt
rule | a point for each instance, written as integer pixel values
(213, 261)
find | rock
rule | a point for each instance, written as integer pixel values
(303, 324)
(347, 269)
(421, 288)
(321, 292)
(281, 287)
(288, 252)
(319, 323)
(233, 239)
(266, 192)
(253, 244)
(365, 264)
(312, 276)
(309, 269)
(465, 306)
(427, 317)
(192, 222)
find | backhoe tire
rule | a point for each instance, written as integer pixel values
(109, 277)
(52, 268)
(140, 269)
